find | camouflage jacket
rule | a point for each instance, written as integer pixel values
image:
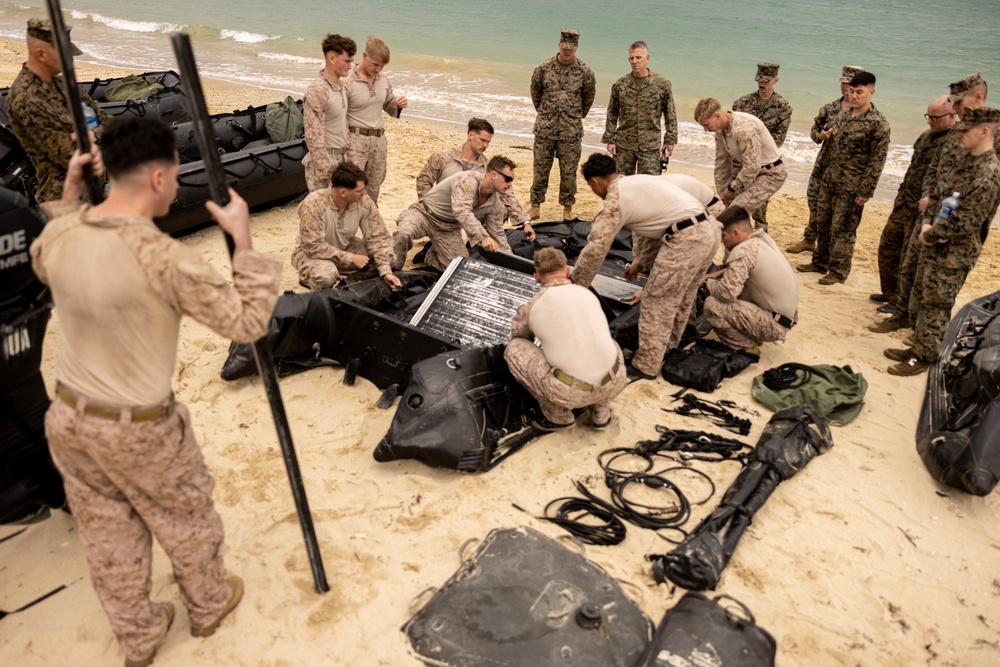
(958, 239)
(776, 113)
(745, 133)
(439, 161)
(317, 211)
(42, 123)
(925, 150)
(634, 113)
(943, 162)
(562, 95)
(856, 151)
(825, 117)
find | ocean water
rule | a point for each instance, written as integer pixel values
(455, 59)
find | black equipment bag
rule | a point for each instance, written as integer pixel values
(705, 364)
(700, 631)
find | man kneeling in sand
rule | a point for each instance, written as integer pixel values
(469, 201)
(328, 243)
(755, 298)
(578, 364)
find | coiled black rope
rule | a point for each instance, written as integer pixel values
(696, 446)
(590, 520)
(786, 376)
(713, 412)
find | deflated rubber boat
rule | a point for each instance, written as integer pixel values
(958, 434)
(265, 174)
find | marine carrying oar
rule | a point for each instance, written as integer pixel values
(61, 37)
(219, 192)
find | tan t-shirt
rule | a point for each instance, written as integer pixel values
(121, 286)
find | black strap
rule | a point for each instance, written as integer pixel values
(782, 320)
(684, 224)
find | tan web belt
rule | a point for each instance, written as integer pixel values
(366, 131)
(113, 413)
(568, 379)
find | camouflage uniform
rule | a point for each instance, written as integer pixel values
(445, 229)
(442, 164)
(942, 268)
(532, 368)
(562, 95)
(135, 472)
(321, 254)
(42, 123)
(757, 177)
(849, 166)
(366, 141)
(898, 228)
(633, 122)
(823, 119)
(756, 285)
(677, 265)
(324, 109)
(776, 113)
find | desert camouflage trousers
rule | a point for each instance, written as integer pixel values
(568, 152)
(325, 273)
(126, 483)
(446, 239)
(671, 290)
(741, 324)
(812, 196)
(315, 180)
(637, 162)
(837, 220)
(369, 153)
(892, 247)
(556, 398)
(767, 182)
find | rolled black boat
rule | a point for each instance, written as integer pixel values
(958, 434)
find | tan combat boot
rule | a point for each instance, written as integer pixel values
(567, 212)
(536, 211)
(805, 245)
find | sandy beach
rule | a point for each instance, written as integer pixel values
(861, 559)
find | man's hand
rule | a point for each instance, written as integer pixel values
(727, 196)
(825, 134)
(393, 282)
(360, 261)
(637, 297)
(611, 149)
(234, 218)
(923, 230)
(401, 102)
(75, 187)
(711, 276)
(529, 232)
(489, 245)
(861, 201)
(668, 149)
(632, 271)
(922, 204)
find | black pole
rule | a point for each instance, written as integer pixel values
(219, 192)
(61, 41)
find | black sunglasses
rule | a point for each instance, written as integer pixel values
(509, 179)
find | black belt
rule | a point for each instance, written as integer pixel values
(782, 320)
(774, 164)
(684, 224)
(715, 200)
(568, 379)
(372, 132)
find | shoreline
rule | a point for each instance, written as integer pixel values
(859, 559)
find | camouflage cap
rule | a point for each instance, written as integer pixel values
(968, 83)
(973, 117)
(569, 38)
(848, 73)
(42, 29)
(766, 72)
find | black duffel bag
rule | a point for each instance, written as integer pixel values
(699, 631)
(704, 365)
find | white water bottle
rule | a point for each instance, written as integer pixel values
(90, 116)
(948, 206)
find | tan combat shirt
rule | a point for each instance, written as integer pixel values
(748, 142)
(324, 112)
(324, 232)
(366, 102)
